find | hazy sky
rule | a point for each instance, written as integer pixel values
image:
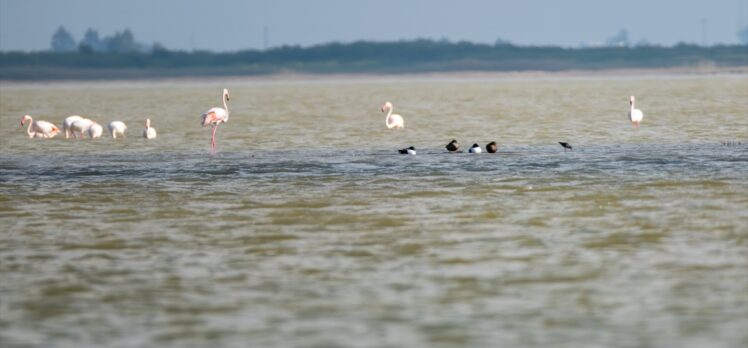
(229, 25)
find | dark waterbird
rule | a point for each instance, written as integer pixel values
(491, 147)
(408, 151)
(565, 145)
(453, 146)
(475, 149)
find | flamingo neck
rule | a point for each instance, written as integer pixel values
(387, 119)
(225, 106)
(28, 130)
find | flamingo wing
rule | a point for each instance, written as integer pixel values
(46, 128)
(214, 116)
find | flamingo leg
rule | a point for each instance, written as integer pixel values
(213, 140)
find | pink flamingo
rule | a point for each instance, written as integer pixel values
(68, 124)
(216, 116)
(149, 132)
(392, 120)
(117, 128)
(39, 129)
(635, 115)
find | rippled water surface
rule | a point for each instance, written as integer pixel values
(308, 229)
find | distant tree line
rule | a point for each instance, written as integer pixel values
(121, 42)
(421, 55)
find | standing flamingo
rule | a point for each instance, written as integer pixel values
(95, 130)
(80, 127)
(69, 123)
(392, 120)
(216, 116)
(39, 129)
(149, 132)
(635, 115)
(117, 128)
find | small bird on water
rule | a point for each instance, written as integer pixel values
(565, 145)
(453, 146)
(475, 149)
(491, 147)
(408, 151)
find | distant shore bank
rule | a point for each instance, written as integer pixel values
(416, 57)
(705, 70)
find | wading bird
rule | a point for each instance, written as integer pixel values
(117, 128)
(95, 130)
(39, 129)
(635, 115)
(565, 145)
(216, 116)
(80, 126)
(149, 132)
(69, 123)
(392, 120)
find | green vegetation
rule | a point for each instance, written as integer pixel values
(357, 57)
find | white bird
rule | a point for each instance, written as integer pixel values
(475, 149)
(216, 116)
(95, 130)
(80, 127)
(392, 120)
(68, 123)
(149, 132)
(117, 128)
(635, 115)
(39, 129)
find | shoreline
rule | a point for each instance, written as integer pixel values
(699, 71)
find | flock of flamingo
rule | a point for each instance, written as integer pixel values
(78, 127)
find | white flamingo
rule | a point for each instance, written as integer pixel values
(635, 115)
(95, 131)
(216, 116)
(149, 132)
(39, 129)
(68, 123)
(80, 127)
(392, 120)
(117, 128)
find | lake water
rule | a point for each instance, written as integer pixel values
(308, 229)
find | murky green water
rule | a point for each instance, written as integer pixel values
(309, 230)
